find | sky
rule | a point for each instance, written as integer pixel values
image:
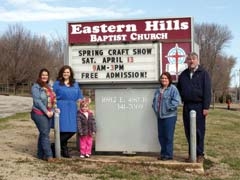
(50, 17)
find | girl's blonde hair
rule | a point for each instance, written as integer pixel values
(85, 102)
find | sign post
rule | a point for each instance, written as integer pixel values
(57, 135)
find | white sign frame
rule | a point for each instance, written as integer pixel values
(115, 63)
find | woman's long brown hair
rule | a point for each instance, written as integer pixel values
(39, 80)
(60, 75)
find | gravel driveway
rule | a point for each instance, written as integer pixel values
(10, 105)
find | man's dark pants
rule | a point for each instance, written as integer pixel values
(200, 125)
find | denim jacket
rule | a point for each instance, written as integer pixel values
(40, 98)
(169, 102)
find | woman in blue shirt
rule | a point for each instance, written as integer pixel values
(68, 93)
(165, 102)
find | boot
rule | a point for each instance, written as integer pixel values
(53, 150)
(65, 152)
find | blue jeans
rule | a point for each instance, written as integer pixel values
(43, 124)
(166, 128)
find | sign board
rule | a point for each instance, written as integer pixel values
(137, 30)
(115, 63)
(131, 54)
(125, 120)
(128, 51)
(174, 57)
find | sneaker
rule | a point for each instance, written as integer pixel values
(82, 156)
(87, 156)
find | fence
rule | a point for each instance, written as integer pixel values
(25, 89)
(16, 89)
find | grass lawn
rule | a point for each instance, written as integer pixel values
(222, 149)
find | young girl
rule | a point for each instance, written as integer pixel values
(86, 128)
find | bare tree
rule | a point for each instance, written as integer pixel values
(58, 50)
(212, 39)
(15, 47)
(2, 63)
(222, 75)
(23, 55)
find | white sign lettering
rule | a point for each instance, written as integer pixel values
(110, 63)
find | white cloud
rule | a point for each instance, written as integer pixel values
(36, 10)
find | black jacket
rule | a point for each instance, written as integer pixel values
(196, 89)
